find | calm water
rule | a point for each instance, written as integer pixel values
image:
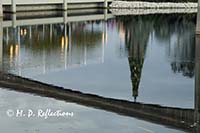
(148, 59)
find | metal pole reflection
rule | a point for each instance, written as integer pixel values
(1, 43)
(197, 82)
(198, 19)
(19, 51)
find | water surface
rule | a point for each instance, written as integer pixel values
(147, 59)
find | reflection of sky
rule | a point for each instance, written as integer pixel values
(111, 78)
(159, 85)
(85, 120)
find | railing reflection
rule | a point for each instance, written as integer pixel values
(53, 45)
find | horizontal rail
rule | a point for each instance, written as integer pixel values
(32, 3)
(35, 2)
(55, 20)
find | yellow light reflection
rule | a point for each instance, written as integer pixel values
(25, 31)
(21, 32)
(103, 37)
(17, 50)
(11, 53)
(62, 48)
(62, 42)
(106, 38)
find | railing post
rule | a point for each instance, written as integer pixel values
(14, 19)
(198, 19)
(1, 8)
(105, 3)
(65, 17)
(13, 7)
(64, 4)
(105, 14)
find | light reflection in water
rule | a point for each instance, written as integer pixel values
(67, 53)
(56, 47)
(11, 54)
(144, 43)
